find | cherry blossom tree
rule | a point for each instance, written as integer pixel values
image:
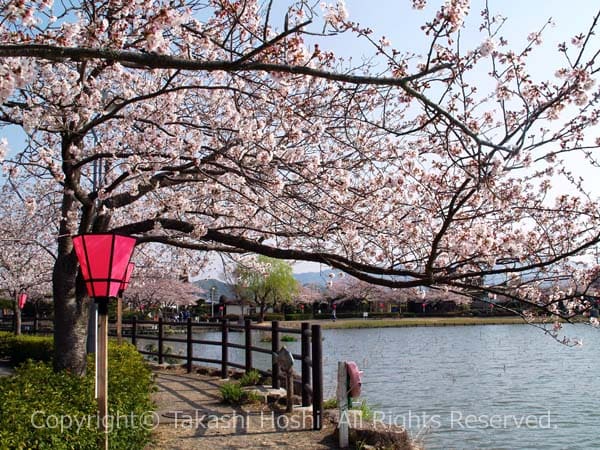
(222, 125)
(27, 230)
(159, 292)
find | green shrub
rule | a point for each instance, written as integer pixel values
(36, 400)
(287, 338)
(233, 394)
(298, 316)
(5, 337)
(21, 348)
(330, 403)
(273, 316)
(251, 378)
(366, 411)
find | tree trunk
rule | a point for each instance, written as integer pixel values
(17, 318)
(71, 309)
(261, 316)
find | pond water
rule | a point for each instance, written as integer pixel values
(477, 387)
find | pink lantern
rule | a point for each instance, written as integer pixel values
(103, 259)
(22, 299)
(127, 278)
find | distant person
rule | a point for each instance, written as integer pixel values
(333, 316)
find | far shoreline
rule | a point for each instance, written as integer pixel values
(412, 322)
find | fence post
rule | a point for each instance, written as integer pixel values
(248, 345)
(305, 352)
(190, 350)
(317, 376)
(134, 331)
(224, 347)
(275, 350)
(160, 340)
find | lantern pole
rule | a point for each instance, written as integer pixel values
(102, 367)
(103, 260)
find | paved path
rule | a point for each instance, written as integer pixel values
(191, 416)
(5, 369)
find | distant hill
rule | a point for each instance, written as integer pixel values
(317, 278)
(221, 288)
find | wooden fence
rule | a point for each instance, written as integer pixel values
(310, 357)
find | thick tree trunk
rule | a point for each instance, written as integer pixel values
(71, 309)
(17, 319)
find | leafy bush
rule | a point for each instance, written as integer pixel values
(330, 403)
(287, 338)
(21, 348)
(298, 316)
(251, 378)
(274, 316)
(5, 337)
(37, 402)
(233, 394)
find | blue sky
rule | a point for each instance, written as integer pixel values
(400, 24)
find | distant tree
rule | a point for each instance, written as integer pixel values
(27, 250)
(266, 282)
(158, 291)
(308, 294)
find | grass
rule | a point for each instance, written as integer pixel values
(417, 322)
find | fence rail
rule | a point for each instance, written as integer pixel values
(310, 357)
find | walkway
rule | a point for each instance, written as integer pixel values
(5, 369)
(191, 416)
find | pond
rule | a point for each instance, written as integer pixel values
(475, 387)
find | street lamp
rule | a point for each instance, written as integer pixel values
(122, 288)
(103, 259)
(212, 301)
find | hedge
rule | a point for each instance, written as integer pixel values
(23, 347)
(36, 401)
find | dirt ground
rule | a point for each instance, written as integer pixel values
(190, 416)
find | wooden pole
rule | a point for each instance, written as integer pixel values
(305, 352)
(102, 372)
(134, 331)
(342, 401)
(317, 376)
(120, 319)
(248, 344)
(224, 348)
(275, 350)
(289, 380)
(190, 349)
(160, 340)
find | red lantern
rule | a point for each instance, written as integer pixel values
(22, 299)
(302, 307)
(221, 308)
(125, 281)
(334, 306)
(381, 305)
(103, 259)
